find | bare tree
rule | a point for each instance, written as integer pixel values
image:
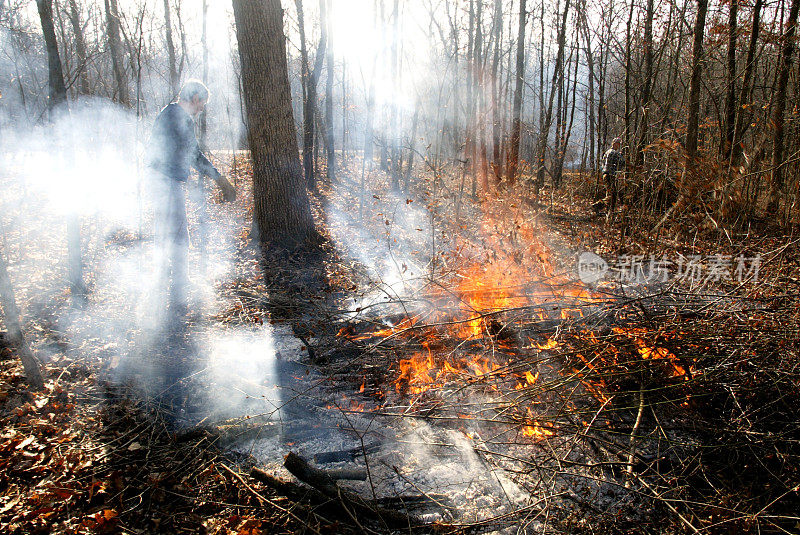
(548, 114)
(497, 163)
(173, 66)
(204, 43)
(309, 83)
(392, 145)
(747, 82)
(481, 160)
(693, 121)
(778, 120)
(647, 82)
(729, 126)
(591, 75)
(115, 47)
(516, 125)
(58, 96)
(57, 88)
(330, 149)
(80, 48)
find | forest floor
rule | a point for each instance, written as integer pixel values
(680, 414)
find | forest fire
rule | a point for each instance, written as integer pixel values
(477, 333)
(473, 332)
(468, 281)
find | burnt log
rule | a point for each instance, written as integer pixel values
(287, 488)
(324, 483)
(324, 503)
(344, 455)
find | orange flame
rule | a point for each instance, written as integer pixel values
(648, 351)
(536, 431)
(550, 344)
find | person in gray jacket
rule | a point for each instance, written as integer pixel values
(172, 152)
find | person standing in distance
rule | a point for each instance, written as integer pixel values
(613, 161)
(173, 150)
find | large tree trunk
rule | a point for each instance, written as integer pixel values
(115, 47)
(516, 125)
(57, 89)
(281, 207)
(778, 120)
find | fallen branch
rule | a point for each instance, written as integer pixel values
(320, 480)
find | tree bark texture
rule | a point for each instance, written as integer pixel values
(281, 205)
